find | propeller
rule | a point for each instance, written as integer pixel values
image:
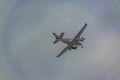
(83, 38)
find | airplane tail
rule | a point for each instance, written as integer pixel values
(58, 38)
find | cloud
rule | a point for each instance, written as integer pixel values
(33, 54)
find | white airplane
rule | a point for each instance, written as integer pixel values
(71, 43)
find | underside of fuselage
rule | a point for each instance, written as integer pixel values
(69, 41)
(66, 41)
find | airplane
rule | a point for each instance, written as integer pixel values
(71, 43)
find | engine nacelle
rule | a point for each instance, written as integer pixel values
(81, 39)
(73, 47)
(78, 43)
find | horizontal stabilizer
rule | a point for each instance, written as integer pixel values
(58, 38)
(61, 35)
(55, 35)
(55, 41)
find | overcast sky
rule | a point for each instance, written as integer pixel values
(27, 52)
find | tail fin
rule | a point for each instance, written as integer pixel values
(58, 38)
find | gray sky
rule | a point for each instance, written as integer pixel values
(27, 52)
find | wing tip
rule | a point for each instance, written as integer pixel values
(85, 24)
(57, 56)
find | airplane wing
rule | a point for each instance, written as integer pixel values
(80, 32)
(64, 50)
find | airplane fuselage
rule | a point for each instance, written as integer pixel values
(69, 41)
